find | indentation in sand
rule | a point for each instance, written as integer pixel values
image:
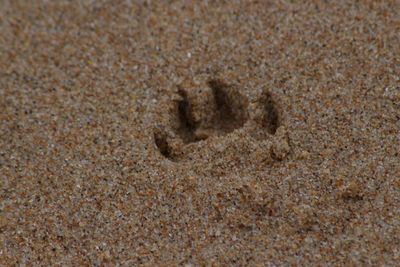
(215, 109)
(162, 144)
(271, 117)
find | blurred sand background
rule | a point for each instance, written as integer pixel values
(165, 133)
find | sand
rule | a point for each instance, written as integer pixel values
(254, 133)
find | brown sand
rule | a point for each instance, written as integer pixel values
(238, 133)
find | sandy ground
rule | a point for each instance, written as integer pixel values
(199, 133)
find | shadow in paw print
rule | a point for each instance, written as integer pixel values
(187, 125)
(162, 145)
(216, 110)
(271, 117)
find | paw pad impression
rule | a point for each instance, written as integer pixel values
(212, 112)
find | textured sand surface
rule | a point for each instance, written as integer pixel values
(186, 133)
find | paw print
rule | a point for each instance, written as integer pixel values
(204, 116)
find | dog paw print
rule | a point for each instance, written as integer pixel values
(206, 115)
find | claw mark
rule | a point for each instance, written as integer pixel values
(187, 125)
(271, 118)
(162, 145)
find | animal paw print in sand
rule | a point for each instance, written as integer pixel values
(217, 117)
